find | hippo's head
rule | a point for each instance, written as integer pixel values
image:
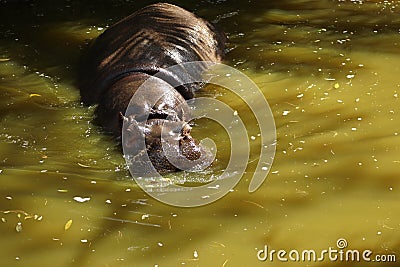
(168, 144)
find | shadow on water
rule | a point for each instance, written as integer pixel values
(329, 71)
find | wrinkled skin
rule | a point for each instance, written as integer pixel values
(128, 54)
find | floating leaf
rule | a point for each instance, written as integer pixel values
(32, 95)
(62, 190)
(68, 225)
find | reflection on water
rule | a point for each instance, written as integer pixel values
(330, 72)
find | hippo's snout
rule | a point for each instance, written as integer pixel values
(168, 145)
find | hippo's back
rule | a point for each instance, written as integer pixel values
(153, 38)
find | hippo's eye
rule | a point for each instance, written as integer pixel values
(186, 129)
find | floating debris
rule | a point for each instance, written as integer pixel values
(68, 225)
(81, 199)
(131, 221)
(82, 165)
(62, 190)
(22, 214)
(18, 227)
(33, 95)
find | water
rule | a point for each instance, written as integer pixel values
(329, 70)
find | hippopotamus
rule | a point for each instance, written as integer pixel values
(130, 52)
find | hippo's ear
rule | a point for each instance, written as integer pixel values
(122, 118)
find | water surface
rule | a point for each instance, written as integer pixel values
(330, 72)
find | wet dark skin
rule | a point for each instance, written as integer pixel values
(129, 53)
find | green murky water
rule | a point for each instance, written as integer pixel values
(330, 72)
